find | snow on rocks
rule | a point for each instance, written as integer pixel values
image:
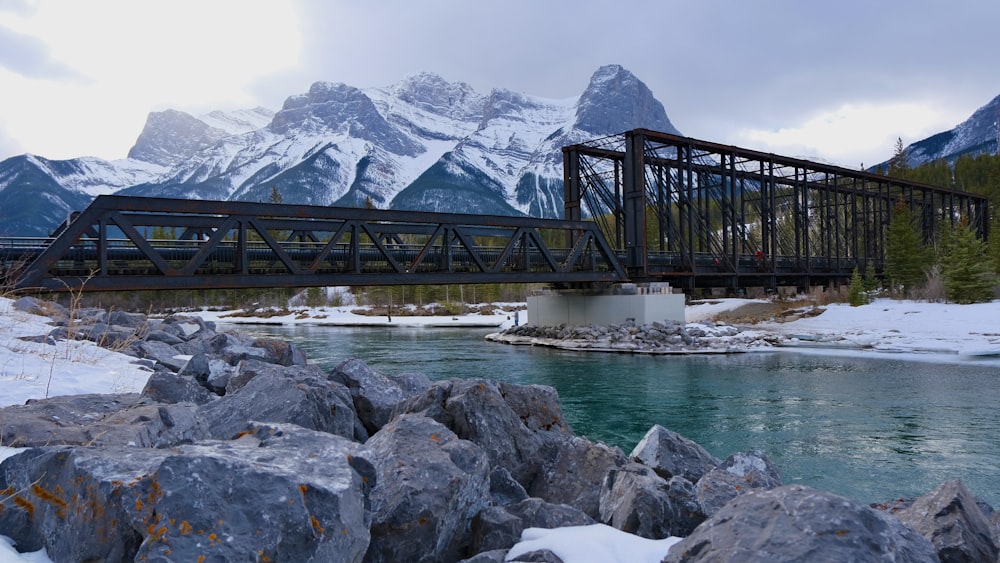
(654, 338)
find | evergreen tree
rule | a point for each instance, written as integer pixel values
(993, 245)
(967, 276)
(870, 280)
(905, 255)
(898, 166)
(275, 195)
(856, 290)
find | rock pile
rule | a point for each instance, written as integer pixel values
(654, 338)
(244, 452)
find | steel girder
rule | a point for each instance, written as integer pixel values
(128, 243)
(702, 214)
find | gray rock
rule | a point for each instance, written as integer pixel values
(736, 475)
(536, 405)
(299, 396)
(498, 527)
(537, 556)
(636, 500)
(249, 369)
(164, 337)
(495, 556)
(411, 383)
(794, 524)
(163, 354)
(205, 500)
(99, 420)
(995, 527)
(134, 321)
(280, 352)
(196, 368)
(494, 528)
(536, 513)
(374, 395)
(187, 328)
(219, 375)
(668, 453)
(504, 489)
(40, 307)
(575, 472)
(481, 411)
(949, 517)
(60, 420)
(430, 485)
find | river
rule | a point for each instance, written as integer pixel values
(871, 428)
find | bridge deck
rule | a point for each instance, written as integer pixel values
(122, 243)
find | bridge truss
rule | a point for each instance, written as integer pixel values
(701, 214)
(128, 243)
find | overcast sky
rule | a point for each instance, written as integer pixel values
(834, 81)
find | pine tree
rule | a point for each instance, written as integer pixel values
(993, 245)
(856, 290)
(870, 280)
(275, 195)
(967, 276)
(905, 255)
(898, 166)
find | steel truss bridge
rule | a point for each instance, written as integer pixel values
(701, 214)
(640, 207)
(127, 243)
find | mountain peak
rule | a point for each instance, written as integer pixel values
(615, 100)
(171, 137)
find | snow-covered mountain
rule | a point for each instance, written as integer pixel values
(974, 136)
(421, 144)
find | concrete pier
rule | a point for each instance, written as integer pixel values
(627, 302)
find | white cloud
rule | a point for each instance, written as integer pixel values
(852, 134)
(137, 57)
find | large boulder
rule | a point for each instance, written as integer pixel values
(262, 497)
(951, 519)
(430, 485)
(636, 500)
(374, 395)
(60, 420)
(739, 473)
(165, 386)
(476, 410)
(299, 396)
(668, 453)
(497, 527)
(790, 524)
(574, 473)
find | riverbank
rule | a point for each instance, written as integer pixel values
(637, 487)
(937, 332)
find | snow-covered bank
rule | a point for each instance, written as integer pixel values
(934, 332)
(343, 316)
(951, 332)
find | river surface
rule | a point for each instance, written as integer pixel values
(869, 428)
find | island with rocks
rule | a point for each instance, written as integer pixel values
(238, 449)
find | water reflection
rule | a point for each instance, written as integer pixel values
(868, 428)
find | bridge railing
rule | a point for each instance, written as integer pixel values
(126, 243)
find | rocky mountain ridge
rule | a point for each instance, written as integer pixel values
(421, 144)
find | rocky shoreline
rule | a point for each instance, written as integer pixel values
(239, 450)
(654, 338)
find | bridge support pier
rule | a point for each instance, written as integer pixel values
(624, 303)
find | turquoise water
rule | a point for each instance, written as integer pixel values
(869, 428)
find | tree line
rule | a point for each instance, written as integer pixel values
(957, 265)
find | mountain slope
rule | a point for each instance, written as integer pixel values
(976, 135)
(423, 144)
